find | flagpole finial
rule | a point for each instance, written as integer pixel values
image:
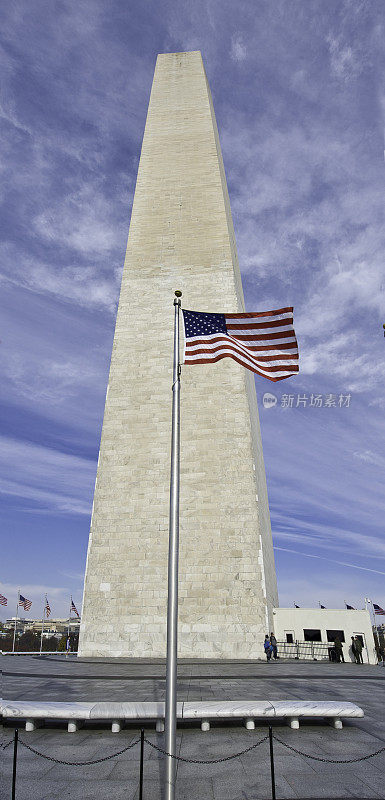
(178, 295)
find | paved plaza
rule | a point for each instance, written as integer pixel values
(244, 778)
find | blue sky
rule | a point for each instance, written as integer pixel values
(299, 97)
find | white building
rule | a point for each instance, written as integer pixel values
(51, 625)
(310, 632)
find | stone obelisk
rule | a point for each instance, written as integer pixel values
(181, 236)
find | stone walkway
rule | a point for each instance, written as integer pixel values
(244, 778)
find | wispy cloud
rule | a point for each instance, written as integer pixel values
(67, 480)
(82, 285)
(238, 50)
(82, 221)
(370, 458)
(331, 561)
(343, 61)
(74, 575)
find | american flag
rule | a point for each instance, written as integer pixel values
(264, 341)
(378, 609)
(47, 607)
(73, 608)
(24, 602)
(3, 600)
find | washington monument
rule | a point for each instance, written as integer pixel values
(181, 236)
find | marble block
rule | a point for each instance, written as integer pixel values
(319, 708)
(28, 709)
(227, 708)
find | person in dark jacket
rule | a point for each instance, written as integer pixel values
(273, 643)
(339, 650)
(267, 647)
(358, 646)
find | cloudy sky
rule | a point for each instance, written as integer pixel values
(298, 90)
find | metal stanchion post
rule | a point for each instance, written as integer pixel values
(15, 740)
(272, 763)
(141, 764)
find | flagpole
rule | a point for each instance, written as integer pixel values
(371, 611)
(374, 618)
(68, 629)
(172, 600)
(42, 626)
(17, 617)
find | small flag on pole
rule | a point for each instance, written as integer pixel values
(47, 607)
(3, 600)
(263, 342)
(378, 609)
(350, 608)
(73, 608)
(24, 602)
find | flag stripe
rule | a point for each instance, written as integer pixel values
(287, 346)
(282, 319)
(264, 337)
(260, 326)
(191, 352)
(247, 361)
(277, 358)
(252, 314)
(244, 364)
(277, 344)
(257, 331)
(226, 341)
(194, 343)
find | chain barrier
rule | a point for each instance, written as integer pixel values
(211, 761)
(78, 763)
(329, 760)
(3, 746)
(195, 760)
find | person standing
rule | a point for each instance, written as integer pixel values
(354, 651)
(273, 643)
(358, 646)
(267, 647)
(339, 650)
